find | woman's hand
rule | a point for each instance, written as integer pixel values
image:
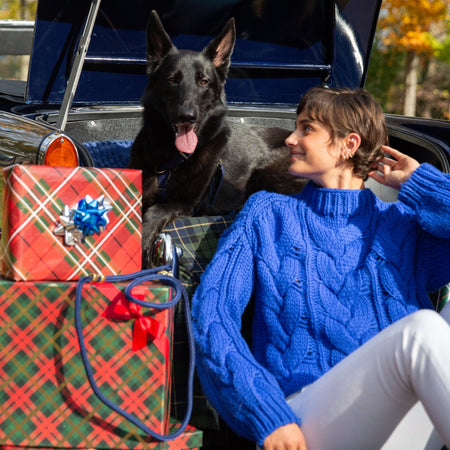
(396, 171)
(287, 437)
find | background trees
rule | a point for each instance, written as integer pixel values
(409, 70)
(18, 9)
(16, 66)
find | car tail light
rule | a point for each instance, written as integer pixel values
(58, 150)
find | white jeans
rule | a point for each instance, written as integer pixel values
(363, 402)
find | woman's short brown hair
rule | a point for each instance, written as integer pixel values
(347, 111)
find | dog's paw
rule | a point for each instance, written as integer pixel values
(149, 233)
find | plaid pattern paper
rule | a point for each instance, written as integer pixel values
(197, 237)
(34, 198)
(444, 296)
(45, 397)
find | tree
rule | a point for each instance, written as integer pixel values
(418, 29)
(18, 9)
(16, 66)
(385, 76)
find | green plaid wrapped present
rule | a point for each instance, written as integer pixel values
(45, 398)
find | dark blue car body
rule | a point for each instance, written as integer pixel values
(282, 48)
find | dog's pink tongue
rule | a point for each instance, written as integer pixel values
(186, 139)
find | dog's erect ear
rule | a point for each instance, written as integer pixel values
(158, 41)
(219, 50)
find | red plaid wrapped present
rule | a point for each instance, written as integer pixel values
(45, 398)
(64, 223)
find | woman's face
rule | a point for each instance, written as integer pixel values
(313, 155)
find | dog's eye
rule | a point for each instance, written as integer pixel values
(171, 79)
(204, 81)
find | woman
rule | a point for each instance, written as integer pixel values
(344, 339)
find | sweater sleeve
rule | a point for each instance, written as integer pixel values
(427, 193)
(244, 393)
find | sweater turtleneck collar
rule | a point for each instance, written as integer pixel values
(338, 202)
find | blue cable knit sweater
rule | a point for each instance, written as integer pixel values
(329, 269)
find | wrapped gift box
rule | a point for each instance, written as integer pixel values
(192, 438)
(64, 223)
(45, 397)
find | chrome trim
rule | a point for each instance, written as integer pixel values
(20, 138)
(43, 147)
(77, 67)
(164, 252)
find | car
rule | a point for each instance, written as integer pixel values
(81, 104)
(87, 71)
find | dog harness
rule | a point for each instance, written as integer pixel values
(179, 158)
(164, 175)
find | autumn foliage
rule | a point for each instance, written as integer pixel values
(413, 24)
(410, 61)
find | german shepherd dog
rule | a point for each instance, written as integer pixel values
(194, 160)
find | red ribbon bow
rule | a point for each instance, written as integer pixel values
(144, 326)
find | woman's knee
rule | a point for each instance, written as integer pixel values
(425, 323)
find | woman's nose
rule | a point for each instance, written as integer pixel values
(291, 140)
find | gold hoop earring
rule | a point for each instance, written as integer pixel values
(346, 158)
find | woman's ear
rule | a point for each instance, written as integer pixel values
(353, 141)
(350, 144)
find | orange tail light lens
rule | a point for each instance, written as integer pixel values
(58, 150)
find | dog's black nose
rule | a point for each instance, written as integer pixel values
(187, 113)
(188, 118)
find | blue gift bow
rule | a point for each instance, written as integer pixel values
(90, 216)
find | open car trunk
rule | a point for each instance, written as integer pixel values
(108, 134)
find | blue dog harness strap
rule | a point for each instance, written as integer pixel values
(216, 182)
(164, 176)
(163, 180)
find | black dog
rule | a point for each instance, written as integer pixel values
(194, 161)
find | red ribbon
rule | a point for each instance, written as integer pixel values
(144, 327)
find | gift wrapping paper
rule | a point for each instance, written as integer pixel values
(63, 223)
(45, 398)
